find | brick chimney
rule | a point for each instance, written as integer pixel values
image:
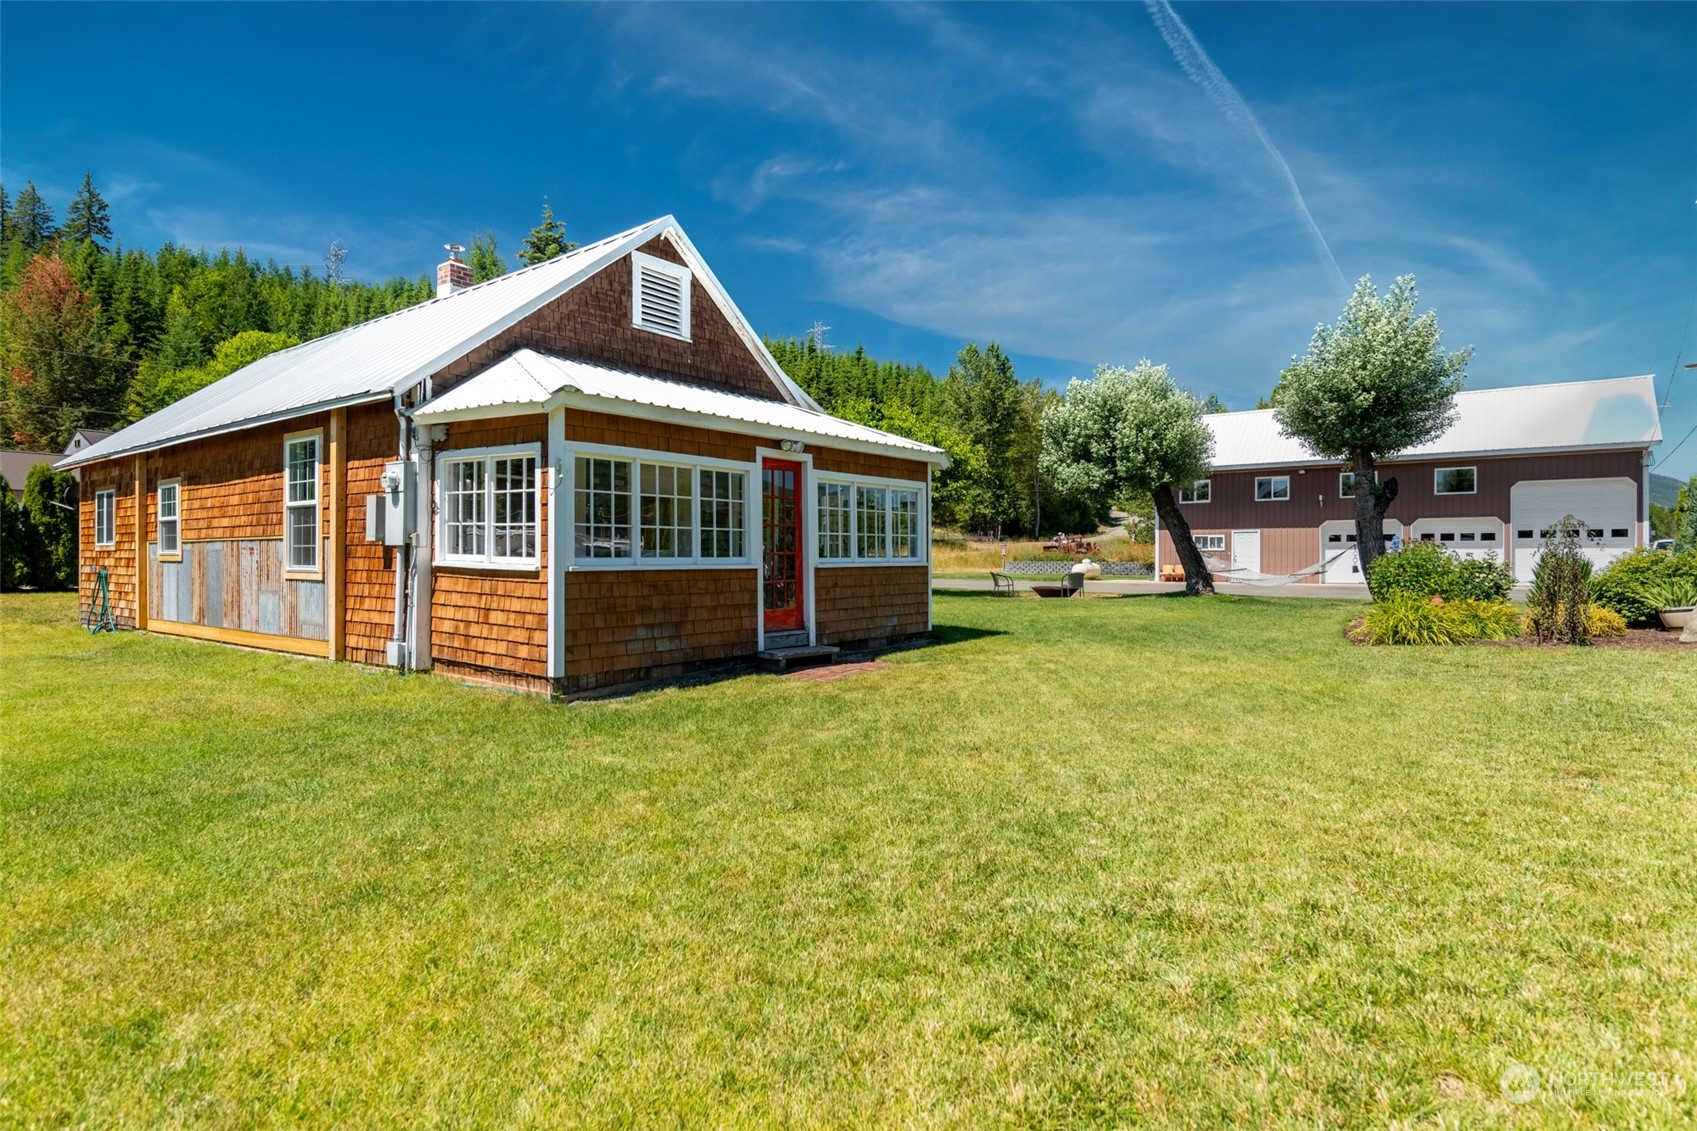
(453, 276)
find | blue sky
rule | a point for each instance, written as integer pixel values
(1084, 184)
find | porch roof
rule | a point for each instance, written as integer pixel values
(529, 381)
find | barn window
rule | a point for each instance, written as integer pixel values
(722, 520)
(300, 502)
(1271, 488)
(488, 507)
(105, 520)
(1455, 481)
(660, 296)
(1200, 491)
(1217, 542)
(170, 515)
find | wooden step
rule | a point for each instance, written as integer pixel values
(795, 639)
(782, 659)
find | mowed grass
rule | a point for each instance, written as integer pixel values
(1143, 860)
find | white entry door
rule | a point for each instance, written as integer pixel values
(1607, 507)
(1246, 551)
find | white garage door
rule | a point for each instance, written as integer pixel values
(1465, 537)
(1337, 550)
(1607, 507)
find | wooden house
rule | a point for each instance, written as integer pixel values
(584, 472)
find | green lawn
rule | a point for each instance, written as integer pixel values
(1140, 860)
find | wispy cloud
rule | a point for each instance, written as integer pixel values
(1196, 63)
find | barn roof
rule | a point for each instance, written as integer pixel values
(376, 359)
(1618, 412)
(528, 380)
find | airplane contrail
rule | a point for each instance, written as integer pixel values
(1201, 69)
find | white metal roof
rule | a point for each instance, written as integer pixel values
(527, 380)
(375, 359)
(1618, 412)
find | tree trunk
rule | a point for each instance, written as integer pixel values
(1372, 500)
(1197, 579)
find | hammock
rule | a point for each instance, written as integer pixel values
(1238, 575)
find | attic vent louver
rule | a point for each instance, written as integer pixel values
(660, 296)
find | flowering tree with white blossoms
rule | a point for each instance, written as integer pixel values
(1132, 430)
(1375, 384)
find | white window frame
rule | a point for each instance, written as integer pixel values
(922, 535)
(1272, 481)
(106, 503)
(1187, 495)
(488, 559)
(1214, 543)
(316, 435)
(641, 261)
(176, 520)
(635, 457)
(1438, 475)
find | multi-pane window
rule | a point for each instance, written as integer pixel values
(905, 534)
(872, 521)
(105, 518)
(1213, 542)
(722, 513)
(663, 506)
(300, 503)
(836, 520)
(1270, 488)
(1200, 491)
(601, 518)
(682, 513)
(489, 508)
(170, 520)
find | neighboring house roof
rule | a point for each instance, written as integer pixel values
(84, 437)
(527, 380)
(1619, 412)
(386, 355)
(15, 467)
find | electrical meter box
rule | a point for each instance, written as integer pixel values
(397, 504)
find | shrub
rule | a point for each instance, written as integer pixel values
(1621, 587)
(1415, 620)
(1426, 569)
(1603, 622)
(1561, 586)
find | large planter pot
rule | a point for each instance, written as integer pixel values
(1676, 618)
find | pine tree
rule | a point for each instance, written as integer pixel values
(181, 346)
(5, 217)
(486, 262)
(32, 220)
(88, 218)
(546, 240)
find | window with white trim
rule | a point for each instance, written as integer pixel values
(664, 500)
(601, 526)
(722, 519)
(105, 518)
(170, 519)
(1209, 541)
(1346, 484)
(906, 537)
(1201, 491)
(300, 503)
(626, 508)
(659, 296)
(1455, 481)
(1272, 488)
(836, 520)
(489, 508)
(872, 522)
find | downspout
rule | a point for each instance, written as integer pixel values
(398, 637)
(424, 480)
(1644, 501)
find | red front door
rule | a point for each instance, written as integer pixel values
(780, 519)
